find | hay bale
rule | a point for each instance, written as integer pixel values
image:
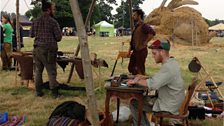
(183, 23)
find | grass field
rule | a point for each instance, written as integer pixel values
(18, 100)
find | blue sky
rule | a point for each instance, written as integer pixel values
(210, 9)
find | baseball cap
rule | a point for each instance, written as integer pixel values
(160, 44)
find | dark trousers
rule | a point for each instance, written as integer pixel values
(45, 58)
(137, 62)
(6, 56)
(14, 61)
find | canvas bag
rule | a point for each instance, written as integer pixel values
(69, 113)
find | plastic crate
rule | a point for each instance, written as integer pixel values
(3, 117)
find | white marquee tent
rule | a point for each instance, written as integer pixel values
(218, 27)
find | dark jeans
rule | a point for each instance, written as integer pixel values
(148, 103)
(137, 62)
(44, 57)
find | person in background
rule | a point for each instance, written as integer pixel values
(141, 35)
(7, 44)
(47, 33)
(167, 82)
(14, 39)
(1, 37)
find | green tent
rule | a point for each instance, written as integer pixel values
(104, 29)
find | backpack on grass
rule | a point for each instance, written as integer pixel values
(69, 113)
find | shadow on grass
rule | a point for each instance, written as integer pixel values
(16, 90)
(66, 93)
(72, 93)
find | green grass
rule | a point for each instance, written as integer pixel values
(18, 100)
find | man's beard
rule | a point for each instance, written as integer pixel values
(159, 59)
(52, 15)
(135, 22)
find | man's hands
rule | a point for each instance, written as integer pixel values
(132, 82)
(139, 79)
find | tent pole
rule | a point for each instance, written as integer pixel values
(17, 26)
(90, 13)
(85, 61)
(130, 12)
(78, 47)
(87, 20)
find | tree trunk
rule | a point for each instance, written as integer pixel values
(17, 26)
(85, 60)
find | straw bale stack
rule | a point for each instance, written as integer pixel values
(184, 23)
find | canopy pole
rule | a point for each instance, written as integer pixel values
(18, 26)
(78, 47)
(130, 12)
(85, 61)
(86, 22)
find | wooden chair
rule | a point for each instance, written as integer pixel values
(183, 111)
(25, 61)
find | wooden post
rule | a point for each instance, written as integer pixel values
(163, 3)
(192, 33)
(196, 36)
(86, 22)
(85, 61)
(17, 26)
(90, 13)
(130, 12)
(78, 47)
(17, 36)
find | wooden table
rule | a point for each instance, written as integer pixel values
(124, 93)
(25, 60)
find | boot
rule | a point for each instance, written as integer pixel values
(55, 92)
(39, 92)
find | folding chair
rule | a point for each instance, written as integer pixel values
(195, 66)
